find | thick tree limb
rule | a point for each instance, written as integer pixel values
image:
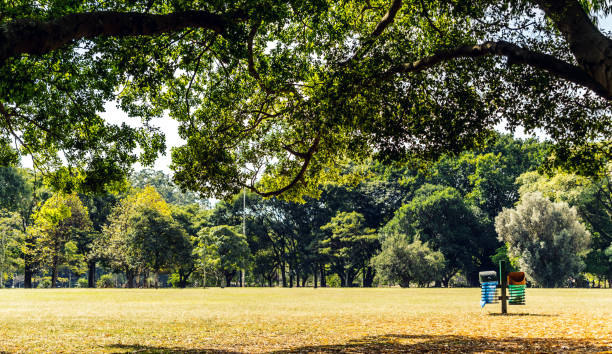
(515, 55)
(387, 19)
(307, 158)
(37, 37)
(591, 48)
(384, 22)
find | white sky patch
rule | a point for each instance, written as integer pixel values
(167, 125)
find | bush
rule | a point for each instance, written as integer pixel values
(82, 283)
(105, 281)
(402, 262)
(333, 281)
(44, 282)
(174, 280)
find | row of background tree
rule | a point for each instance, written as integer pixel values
(439, 224)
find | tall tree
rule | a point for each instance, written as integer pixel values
(228, 249)
(164, 186)
(547, 238)
(12, 240)
(113, 247)
(439, 216)
(592, 198)
(61, 219)
(349, 245)
(155, 241)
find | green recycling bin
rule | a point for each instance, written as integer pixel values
(516, 288)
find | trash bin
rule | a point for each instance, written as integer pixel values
(488, 287)
(516, 288)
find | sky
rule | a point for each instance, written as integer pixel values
(167, 125)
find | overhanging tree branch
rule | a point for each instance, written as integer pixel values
(40, 37)
(384, 22)
(515, 55)
(307, 159)
(387, 19)
(591, 48)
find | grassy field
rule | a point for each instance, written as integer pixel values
(300, 320)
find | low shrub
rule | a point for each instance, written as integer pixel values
(105, 281)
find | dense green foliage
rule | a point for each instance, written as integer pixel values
(276, 97)
(402, 262)
(58, 225)
(546, 237)
(393, 226)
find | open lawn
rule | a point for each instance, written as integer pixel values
(300, 320)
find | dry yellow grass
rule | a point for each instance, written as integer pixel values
(300, 320)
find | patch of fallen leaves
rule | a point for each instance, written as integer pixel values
(301, 320)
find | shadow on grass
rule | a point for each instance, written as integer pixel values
(523, 314)
(397, 343)
(135, 348)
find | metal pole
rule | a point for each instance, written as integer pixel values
(504, 285)
(243, 229)
(2, 263)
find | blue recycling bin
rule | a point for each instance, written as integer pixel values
(488, 288)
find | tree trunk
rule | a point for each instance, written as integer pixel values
(27, 277)
(350, 278)
(91, 274)
(290, 278)
(363, 277)
(314, 275)
(54, 272)
(130, 278)
(323, 280)
(304, 280)
(445, 282)
(369, 279)
(283, 275)
(228, 278)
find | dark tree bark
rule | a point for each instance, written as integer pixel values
(323, 280)
(91, 274)
(27, 276)
(283, 275)
(130, 278)
(314, 275)
(591, 48)
(515, 55)
(228, 277)
(38, 37)
(54, 271)
(369, 277)
(350, 278)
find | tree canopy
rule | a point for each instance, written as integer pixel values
(275, 97)
(547, 238)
